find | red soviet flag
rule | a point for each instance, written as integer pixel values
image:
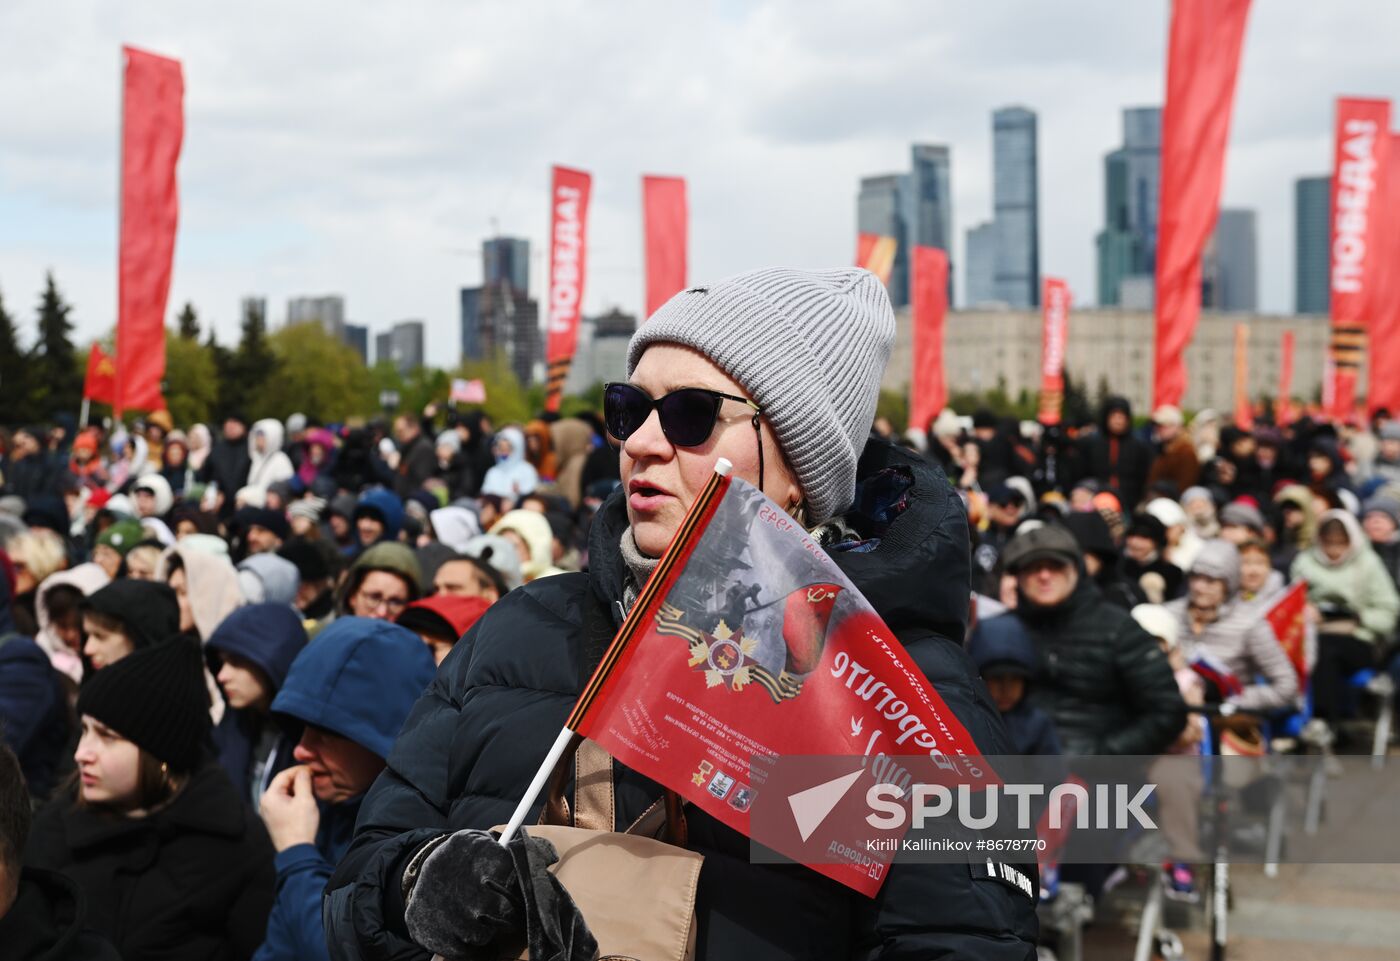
(568, 232)
(1202, 62)
(929, 386)
(1383, 357)
(153, 127)
(748, 642)
(665, 214)
(100, 384)
(1361, 162)
(1290, 627)
(1054, 305)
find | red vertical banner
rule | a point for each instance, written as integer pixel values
(1054, 305)
(875, 253)
(153, 127)
(1244, 413)
(1284, 413)
(568, 261)
(1383, 358)
(665, 214)
(100, 384)
(928, 386)
(1361, 149)
(1202, 62)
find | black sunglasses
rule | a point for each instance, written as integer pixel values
(688, 416)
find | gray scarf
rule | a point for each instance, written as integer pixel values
(638, 564)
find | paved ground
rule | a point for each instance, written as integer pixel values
(1310, 912)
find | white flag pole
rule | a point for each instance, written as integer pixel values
(561, 743)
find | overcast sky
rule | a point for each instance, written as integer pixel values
(368, 149)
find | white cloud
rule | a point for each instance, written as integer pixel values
(368, 149)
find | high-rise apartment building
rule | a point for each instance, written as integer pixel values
(1312, 285)
(981, 265)
(402, 345)
(931, 201)
(506, 260)
(328, 311)
(1127, 245)
(880, 209)
(1229, 265)
(1015, 208)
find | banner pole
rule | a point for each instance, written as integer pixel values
(83, 414)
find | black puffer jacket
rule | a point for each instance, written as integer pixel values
(193, 880)
(1101, 677)
(474, 740)
(1120, 461)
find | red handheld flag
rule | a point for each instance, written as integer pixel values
(665, 213)
(929, 386)
(100, 384)
(568, 260)
(153, 127)
(1244, 414)
(749, 641)
(1361, 149)
(1290, 627)
(1202, 61)
(1054, 302)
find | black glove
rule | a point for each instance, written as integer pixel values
(471, 899)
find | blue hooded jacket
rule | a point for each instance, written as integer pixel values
(32, 704)
(270, 636)
(1003, 645)
(385, 505)
(359, 679)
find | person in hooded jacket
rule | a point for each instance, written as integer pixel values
(317, 460)
(1005, 656)
(474, 741)
(512, 477)
(172, 861)
(268, 579)
(378, 518)
(1352, 601)
(350, 692)
(33, 703)
(61, 621)
(1115, 456)
(529, 531)
(228, 463)
(1101, 559)
(127, 616)
(267, 464)
(205, 586)
(253, 649)
(43, 915)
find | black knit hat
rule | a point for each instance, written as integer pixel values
(148, 610)
(274, 521)
(156, 699)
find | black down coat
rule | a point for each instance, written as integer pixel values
(472, 743)
(193, 880)
(1103, 680)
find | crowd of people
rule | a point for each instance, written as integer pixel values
(211, 639)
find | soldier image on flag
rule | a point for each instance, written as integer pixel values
(752, 600)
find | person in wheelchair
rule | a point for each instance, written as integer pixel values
(1353, 603)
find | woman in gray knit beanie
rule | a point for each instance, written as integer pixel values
(792, 360)
(778, 371)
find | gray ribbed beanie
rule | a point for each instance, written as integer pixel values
(810, 347)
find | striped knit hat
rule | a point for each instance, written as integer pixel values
(809, 346)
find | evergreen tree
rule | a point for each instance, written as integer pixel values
(14, 372)
(56, 378)
(251, 367)
(223, 375)
(189, 322)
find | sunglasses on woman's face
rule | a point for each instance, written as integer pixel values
(688, 415)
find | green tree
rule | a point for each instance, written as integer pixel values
(251, 369)
(1077, 407)
(191, 379)
(188, 322)
(14, 372)
(383, 378)
(588, 401)
(222, 359)
(316, 374)
(894, 404)
(56, 383)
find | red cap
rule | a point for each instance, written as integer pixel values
(460, 613)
